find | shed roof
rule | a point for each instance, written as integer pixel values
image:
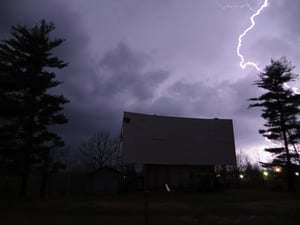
(152, 139)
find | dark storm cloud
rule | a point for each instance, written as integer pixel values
(156, 57)
(98, 93)
(276, 33)
(119, 81)
(6, 20)
(286, 14)
(86, 120)
(209, 100)
(77, 77)
(275, 47)
(122, 72)
(228, 99)
(68, 27)
(29, 12)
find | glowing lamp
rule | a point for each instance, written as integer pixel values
(265, 173)
(297, 174)
(277, 169)
(241, 176)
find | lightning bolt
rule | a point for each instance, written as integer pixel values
(244, 64)
(236, 6)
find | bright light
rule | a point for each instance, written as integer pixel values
(243, 64)
(297, 174)
(241, 176)
(265, 173)
(277, 169)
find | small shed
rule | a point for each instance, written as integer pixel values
(104, 180)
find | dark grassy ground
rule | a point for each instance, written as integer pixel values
(227, 207)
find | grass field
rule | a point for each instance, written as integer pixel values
(226, 207)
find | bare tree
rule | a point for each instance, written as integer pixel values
(100, 150)
(242, 161)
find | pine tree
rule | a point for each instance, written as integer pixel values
(280, 109)
(26, 75)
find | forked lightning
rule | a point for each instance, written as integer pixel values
(244, 64)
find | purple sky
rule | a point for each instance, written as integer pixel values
(169, 57)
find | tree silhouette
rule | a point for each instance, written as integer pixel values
(100, 150)
(280, 108)
(28, 109)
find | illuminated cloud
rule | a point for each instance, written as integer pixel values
(161, 57)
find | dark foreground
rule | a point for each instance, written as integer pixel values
(227, 207)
